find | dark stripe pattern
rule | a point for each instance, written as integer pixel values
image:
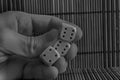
(99, 47)
(91, 74)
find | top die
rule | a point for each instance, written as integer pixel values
(68, 32)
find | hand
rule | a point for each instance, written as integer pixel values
(23, 37)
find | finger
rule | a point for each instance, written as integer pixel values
(29, 24)
(44, 72)
(46, 23)
(61, 65)
(72, 52)
(11, 69)
(42, 42)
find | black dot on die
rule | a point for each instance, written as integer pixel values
(50, 61)
(70, 37)
(56, 48)
(60, 41)
(73, 30)
(50, 49)
(58, 45)
(71, 34)
(66, 45)
(64, 32)
(64, 49)
(56, 55)
(44, 55)
(65, 28)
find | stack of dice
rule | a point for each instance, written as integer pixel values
(61, 47)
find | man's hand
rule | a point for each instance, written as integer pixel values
(24, 37)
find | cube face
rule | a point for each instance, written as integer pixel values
(62, 47)
(68, 32)
(50, 56)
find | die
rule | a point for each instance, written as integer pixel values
(68, 32)
(62, 47)
(50, 56)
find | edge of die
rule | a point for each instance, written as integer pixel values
(57, 52)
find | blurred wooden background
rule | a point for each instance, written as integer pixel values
(99, 20)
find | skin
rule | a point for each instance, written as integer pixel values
(23, 37)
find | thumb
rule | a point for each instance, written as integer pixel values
(42, 42)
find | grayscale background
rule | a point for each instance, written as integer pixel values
(99, 49)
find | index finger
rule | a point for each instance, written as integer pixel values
(32, 24)
(45, 23)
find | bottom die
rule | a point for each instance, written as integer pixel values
(50, 56)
